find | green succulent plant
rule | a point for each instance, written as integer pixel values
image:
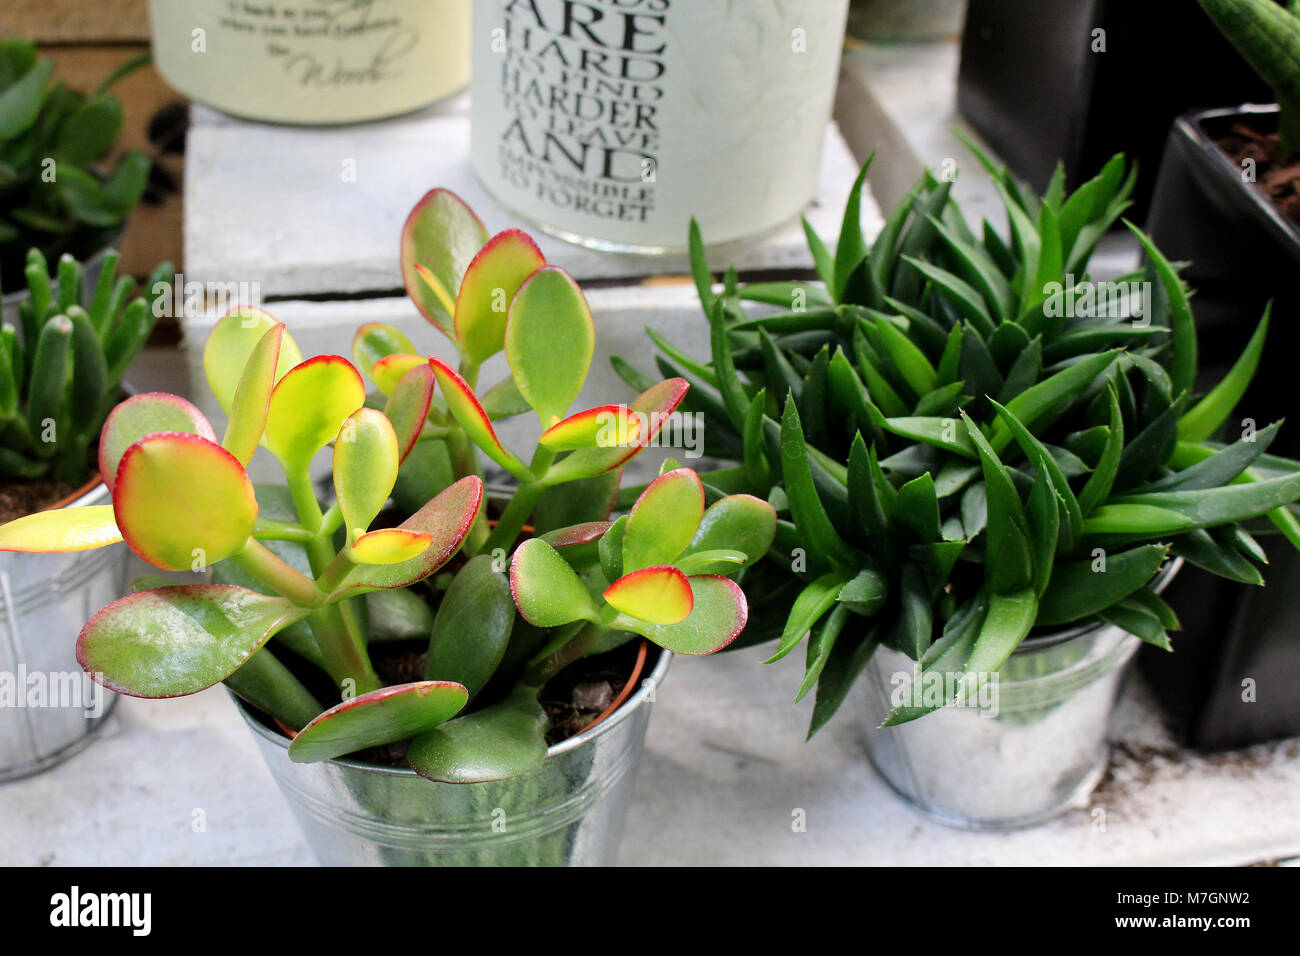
(61, 371)
(53, 195)
(963, 450)
(1268, 36)
(331, 591)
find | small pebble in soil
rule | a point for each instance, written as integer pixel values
(593, 696)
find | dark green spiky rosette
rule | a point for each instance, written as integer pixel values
(56, 191)
(61, 368)
(970, 439)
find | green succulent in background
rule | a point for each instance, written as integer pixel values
(1268, 36)
(52, 194)
(962, 449)
(60, 372)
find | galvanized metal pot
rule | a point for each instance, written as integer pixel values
(1038, 747)
(49, 707)
(567, 812)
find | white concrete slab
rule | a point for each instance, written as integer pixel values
(318, 210)
(724, 770)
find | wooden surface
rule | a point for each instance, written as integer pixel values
(76, 21)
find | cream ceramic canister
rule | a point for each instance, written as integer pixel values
(312, 61)
(613, 122)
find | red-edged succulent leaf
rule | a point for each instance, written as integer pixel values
(383, 716)
(408, 407)
(547, 591)
(61, 530)
(229, 345)
(365, 467)
(576, 535)
(388, 372)
(464, 405)
(142, 415)
(738, 523)
(654, 405)
(718, 617)
(390, 546)
(446, 519)
(178, 640)
(505, 739)
(606, 426)
(490, 283)
(183, 502)
(658, 595)
(442, 235)
(248, 409)
(549, 341)
(664, 520)
(308, 407)
(375, 341)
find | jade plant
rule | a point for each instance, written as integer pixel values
(1268, 36)
(332, 591)
(61, 370)
(970, 441)
(53, 193)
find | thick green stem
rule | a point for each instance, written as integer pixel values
(304, 501)
(345, 655)
(267, 684)
(521, 505)
(550, 662)
(261, 563)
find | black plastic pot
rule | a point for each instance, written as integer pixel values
(1234, 678)
(1032, 86)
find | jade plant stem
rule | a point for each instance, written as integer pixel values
(337, 630)
(521, 505)
(571, 644)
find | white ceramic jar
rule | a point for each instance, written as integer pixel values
(312, 61)
(612, 122)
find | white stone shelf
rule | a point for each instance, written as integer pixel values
(271, 205)
(725, 767)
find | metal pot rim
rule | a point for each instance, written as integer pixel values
(1032, 645)
(637, 699)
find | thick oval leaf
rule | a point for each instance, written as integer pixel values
(365, 468)
(389, 546)
(658, 595)
(447, 518)
(178, 640)
(388, 372)
(1081, 588)
(718, 616)
(398, 615)
(739, 523)
(141, 415)
(472, 628)
(231, 342)
(61, 530)
(309, 406)
(183, 502)
(464, 405)
(663, 520)
(248, 409)
(546, 590)
(497, 742)
(575, 536)
(383, 716)
(408, 407)
(607, 426)
(490, 283)
(442, 235)
(654, 405)
(375, 341)
(549, 341)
